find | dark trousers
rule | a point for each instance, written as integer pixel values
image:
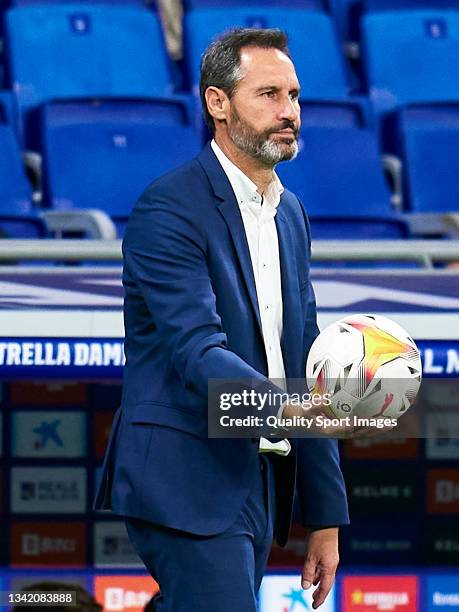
(220, 573)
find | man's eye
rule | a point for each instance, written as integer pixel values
(268, 94)
(294, 96)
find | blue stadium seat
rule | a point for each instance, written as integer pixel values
(429, 145)
(104, 155)
(403, 5)
(80, 50)
(42, 2)
(411, 56)
(328, 113)
(339, 178)
(312, 43)
(348, 13)
(315, 5)
(17, 216)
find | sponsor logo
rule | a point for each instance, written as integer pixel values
(285, 594)
(112, 547)
(442, 542)
(390, 543)
(442, 436)
(48, 434)
(443, 491)
(378, 493)
(46, 543)
(122, 593)
(440, 363)
(57, 393)
(59, 490)
(442, 592)
(368, 448)
(57, 353)
(383, 593)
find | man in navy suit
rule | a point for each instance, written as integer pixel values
(216, 278)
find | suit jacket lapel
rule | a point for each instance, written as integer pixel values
(232, 215)
(229, 209)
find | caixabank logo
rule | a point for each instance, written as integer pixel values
(285, 594)
(48, 434)
(380, 594)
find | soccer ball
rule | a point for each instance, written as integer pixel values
(368, 365)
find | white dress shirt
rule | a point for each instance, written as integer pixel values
(258, 214)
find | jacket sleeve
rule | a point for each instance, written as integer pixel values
(165, 254)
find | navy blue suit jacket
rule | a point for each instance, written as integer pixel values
(191, 314)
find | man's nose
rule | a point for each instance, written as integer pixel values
(289, 110)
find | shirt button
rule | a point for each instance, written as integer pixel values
(264, 265)
(267, 307)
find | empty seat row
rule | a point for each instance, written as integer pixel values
(61, 51)
(82, 50)
(103, 155)
(348, 13)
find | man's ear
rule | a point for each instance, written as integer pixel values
(217, 103)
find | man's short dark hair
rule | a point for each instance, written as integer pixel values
(222, 59)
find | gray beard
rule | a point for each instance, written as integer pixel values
(259, 146)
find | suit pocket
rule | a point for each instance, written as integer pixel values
(152, 413)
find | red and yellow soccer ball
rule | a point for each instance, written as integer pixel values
(369, 366)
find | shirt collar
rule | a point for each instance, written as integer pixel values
(244, 188)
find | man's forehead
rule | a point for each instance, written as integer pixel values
(258, 63)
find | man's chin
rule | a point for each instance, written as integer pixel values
(289, 152)
(288, 148)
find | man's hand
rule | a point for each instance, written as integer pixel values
(321, 562)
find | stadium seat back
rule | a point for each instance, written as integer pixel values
(332, 114)
(315, 5)
(430, 149)
(140, 3)
(104, 155)
(394, 5)
(339, 178)
(312, 43)
(411, 56)
(80, 50)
